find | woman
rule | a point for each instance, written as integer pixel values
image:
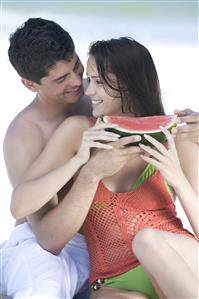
(123, 81)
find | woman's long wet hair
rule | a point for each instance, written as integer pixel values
(136, 75)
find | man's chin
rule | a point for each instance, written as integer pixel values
(81, 92)
(74, 97)
(78, 94)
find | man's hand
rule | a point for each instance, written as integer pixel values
(95, 137)
(105, 163)
(190, 130)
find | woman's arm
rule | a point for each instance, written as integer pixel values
(180, 168)
(48, 176)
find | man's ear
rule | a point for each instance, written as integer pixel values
(29, 84)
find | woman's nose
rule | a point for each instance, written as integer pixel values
(89, 90)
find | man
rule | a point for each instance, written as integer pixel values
(44, 56)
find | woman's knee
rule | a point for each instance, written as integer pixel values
(146, 240)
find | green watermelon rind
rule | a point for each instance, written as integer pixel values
(156, 134)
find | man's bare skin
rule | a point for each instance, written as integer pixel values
(43, 55)
(31, 129)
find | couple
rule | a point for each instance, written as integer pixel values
(56, 189)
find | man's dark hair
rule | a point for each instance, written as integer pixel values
(136, 75)
(36, 46)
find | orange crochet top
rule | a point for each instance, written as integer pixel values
(115, 218)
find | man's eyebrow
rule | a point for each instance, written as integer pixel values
(62, 76)
(66, 74)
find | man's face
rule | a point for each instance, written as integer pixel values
(63, 84)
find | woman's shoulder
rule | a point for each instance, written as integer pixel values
(78, 121)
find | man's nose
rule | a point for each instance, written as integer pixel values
(75, 79)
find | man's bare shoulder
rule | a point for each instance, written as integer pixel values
(22, 129)
(23, 124)
(23, 143)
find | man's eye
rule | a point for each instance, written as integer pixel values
(99, 82)
(61, 80)
(88, 80)
(79, 69)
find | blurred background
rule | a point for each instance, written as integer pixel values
(167, 28)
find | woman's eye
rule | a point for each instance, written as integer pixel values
(99, 82)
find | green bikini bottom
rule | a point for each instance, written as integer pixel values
(134, 280)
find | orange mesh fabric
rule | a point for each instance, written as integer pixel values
(115, 218)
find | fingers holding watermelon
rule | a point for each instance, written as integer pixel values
(159, 146)
(188, 125)
(99, 125)
(170, 139)
(98, 137)
(127, 141)
(105, 163)
(95, 137)
(164, 159)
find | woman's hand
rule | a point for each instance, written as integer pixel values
(166, 160)
(190, 129)
(106, 163)
(96, 137)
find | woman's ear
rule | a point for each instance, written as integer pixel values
(29, 84)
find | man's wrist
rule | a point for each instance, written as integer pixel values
(77, 161)
(88, 174)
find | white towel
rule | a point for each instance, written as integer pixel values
(28, 271)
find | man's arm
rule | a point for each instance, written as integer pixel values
(68, 149)
(36, 183)
(57, 226)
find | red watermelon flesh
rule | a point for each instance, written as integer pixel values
(149, 125)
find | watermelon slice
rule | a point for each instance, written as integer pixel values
(149, 125)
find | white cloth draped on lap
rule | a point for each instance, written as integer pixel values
(28, 271)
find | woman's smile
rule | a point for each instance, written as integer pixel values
(96, 102)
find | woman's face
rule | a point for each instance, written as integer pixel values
(102, 102)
